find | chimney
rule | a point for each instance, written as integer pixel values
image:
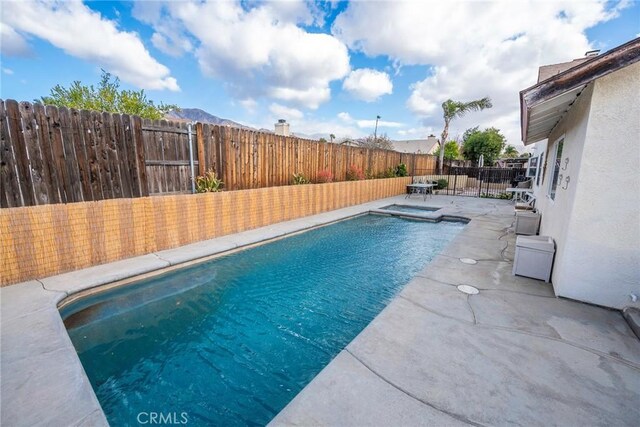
(282, 127)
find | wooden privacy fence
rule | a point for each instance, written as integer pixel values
(60, 155)
(250, 159)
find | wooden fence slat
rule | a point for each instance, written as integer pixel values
(52, 181)
(129, 146)
(202, 158)
(115, 178)
(40, 177)
(12, 194)
(126, 173)
(140, 154)
(90, 146)
(79, 133)
(63, 168)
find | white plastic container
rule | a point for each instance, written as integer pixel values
(527, 223)
(534, 257)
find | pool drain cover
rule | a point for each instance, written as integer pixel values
(470, 261)
(466, 289)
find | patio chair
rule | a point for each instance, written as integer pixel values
(525, 184)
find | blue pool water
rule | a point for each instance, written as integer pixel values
(232, 340)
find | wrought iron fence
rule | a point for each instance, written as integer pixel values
(474, 181)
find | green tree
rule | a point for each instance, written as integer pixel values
(332, 137)
(510, 152)
(106, 97)
(451, 151)
(322, 140)
(452, 109)
(489, 142)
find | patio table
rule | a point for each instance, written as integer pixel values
(426, 189)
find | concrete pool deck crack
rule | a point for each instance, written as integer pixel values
(485, 289)
(473, 313)
(162, 259)
(50, 290)
(413, 396)
(488, 326)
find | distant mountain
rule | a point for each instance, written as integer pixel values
(198, 115)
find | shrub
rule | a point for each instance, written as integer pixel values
(390, 173)
(401, 170)
(299, 178)
(368, 174)
(208, 183)
(324, 176)
(442, 183)
(495, 196)
(354, 173)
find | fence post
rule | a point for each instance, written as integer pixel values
(202, 166)
(193, 178)
(455, 182)
(140, 155)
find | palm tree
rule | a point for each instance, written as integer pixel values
(452, 109)
(511, 152)
(331, 137)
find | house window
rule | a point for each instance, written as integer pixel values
(555, 178)
(533, 167)
(539, 172)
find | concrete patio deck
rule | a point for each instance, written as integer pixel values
(512, 354)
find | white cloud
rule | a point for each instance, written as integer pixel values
(249, 104)
(286, 113)
(13, 44)
(368, 124)
(258, 49)
(168, 36)
(367, 84)
(345, 117)
(490, 49)
(419, 132)
(83, 33)
(7, 71)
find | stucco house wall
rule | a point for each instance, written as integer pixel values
(595, 221)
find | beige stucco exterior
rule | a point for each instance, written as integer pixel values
(595, 218)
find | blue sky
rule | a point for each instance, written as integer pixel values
(326, 67)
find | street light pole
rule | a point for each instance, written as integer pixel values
(375, 131)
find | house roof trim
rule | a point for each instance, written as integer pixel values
(543, 105)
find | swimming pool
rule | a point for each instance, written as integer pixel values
(232, 340)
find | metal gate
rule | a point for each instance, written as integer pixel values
(475, 181)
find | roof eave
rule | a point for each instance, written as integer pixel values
(573, 78)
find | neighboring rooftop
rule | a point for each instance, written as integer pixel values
(417, 146)
(548, 71)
